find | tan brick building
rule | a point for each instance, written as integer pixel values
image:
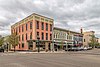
(98, 40)
(87, 38)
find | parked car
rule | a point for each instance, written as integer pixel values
(72, 49)
(80, 48)
(1, 49)
(98, 47)
(68, 49)
(87, 48)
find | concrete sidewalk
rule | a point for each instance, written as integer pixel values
(93, 52)
(35, 52)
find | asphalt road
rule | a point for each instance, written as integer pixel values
(49, 60)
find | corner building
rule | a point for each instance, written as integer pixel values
(32, 27)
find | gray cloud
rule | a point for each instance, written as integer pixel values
(68, 14)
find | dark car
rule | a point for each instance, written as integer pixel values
(98, 47)
(1, 50)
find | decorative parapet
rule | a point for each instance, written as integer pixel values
(35, 17)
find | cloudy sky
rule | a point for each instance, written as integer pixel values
(68, 14)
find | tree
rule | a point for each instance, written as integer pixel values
(96, 44)
(7, 43)
(93, 41)
(13, 40)
(1, 41)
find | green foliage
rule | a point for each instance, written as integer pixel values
(1, 41)
(13, 40)
(93, 41)
(97, 44)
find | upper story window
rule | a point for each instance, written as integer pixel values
(31, 25)
(46, 27)
(37, 24)
(70, 37)
(84, 40)
(42, 36)
(50, 36)
(26, 36)
(26, 27)
(22, 28)
(31, 35)
(42, 26)
(46, 36)
(22, 37)
(50, 27)
(37, 33)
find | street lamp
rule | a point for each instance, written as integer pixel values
(7, 47)
(38, 38)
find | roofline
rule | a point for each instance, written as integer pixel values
(66, 30)
(61, 29)
(33, 14)
(89, 31)
(42, 16)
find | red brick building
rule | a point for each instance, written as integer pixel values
(32, 27)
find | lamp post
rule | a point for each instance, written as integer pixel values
(7, 47)
(38, 38)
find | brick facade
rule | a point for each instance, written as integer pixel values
(29, 28)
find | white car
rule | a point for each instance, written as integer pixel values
(80, 48)
(85, 48)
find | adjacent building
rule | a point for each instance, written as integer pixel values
(62, 38)
(87, 38)
(98, 40)
(32, 27)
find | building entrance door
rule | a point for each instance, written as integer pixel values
(30, 46)
(49, 47)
